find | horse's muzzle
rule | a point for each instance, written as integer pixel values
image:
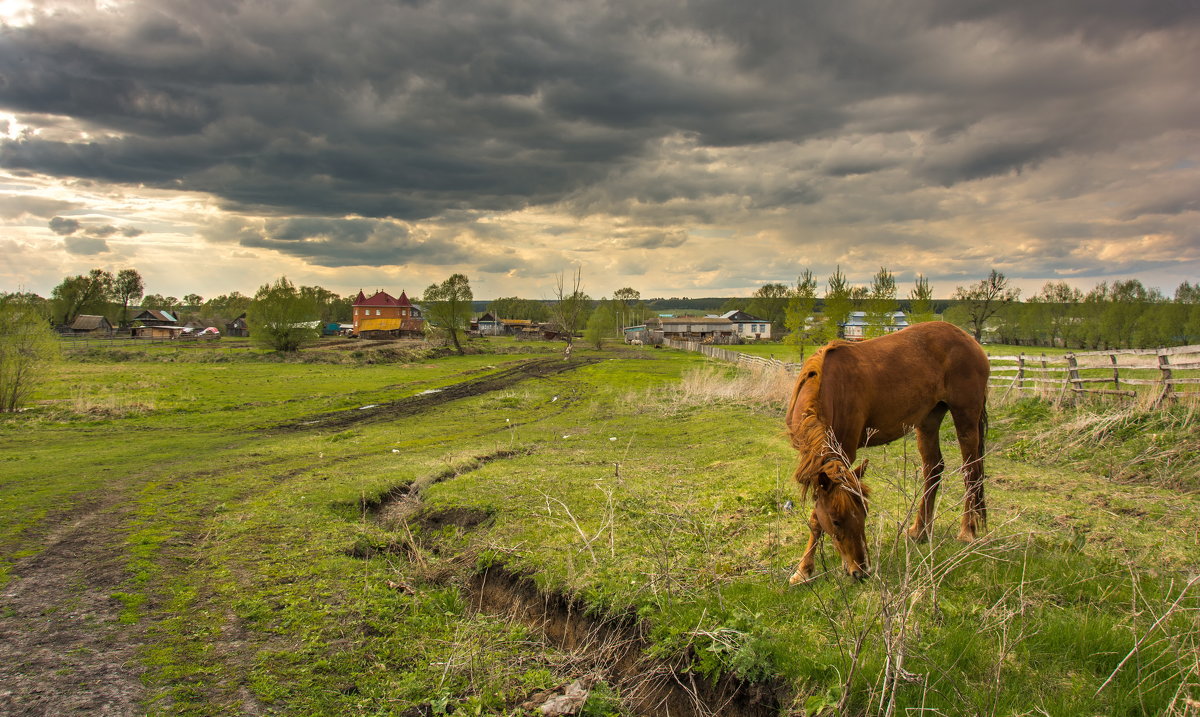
(860, 574)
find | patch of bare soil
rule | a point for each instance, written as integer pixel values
(414, 405)
(63, 648)
(615, 647)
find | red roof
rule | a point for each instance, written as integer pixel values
(382, 298)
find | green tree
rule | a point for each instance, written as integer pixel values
(601, 323)
(513, 307)
(798, 315)
(770, 302)
(859, 296)
(82, 294)
(1188, 293)
(280, 318)
(625, 302)
(127, 288)
(837, 302)
(1127, 300)
(570, 306)
(193, 300)
(226, 307)
(920, 301)
(1060, 303)
(27, 344)
(881, 302)
(981, 301)
(448, 306)
(330, 306)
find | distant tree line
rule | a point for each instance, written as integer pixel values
(1120, 314)
(102, 293)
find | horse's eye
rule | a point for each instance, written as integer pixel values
(837, 523)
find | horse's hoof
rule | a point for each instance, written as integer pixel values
(918, 536)
(966, 536)
(799, 578)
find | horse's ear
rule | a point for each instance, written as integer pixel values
(862, 469)
(824, 482)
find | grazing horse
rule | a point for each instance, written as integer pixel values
(866, 394)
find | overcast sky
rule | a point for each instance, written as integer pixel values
(679, 148)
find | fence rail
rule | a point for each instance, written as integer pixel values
(1128, 373)
(737, 357)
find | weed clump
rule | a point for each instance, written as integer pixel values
(1135, 444)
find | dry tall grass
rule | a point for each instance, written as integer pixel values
(762, 387)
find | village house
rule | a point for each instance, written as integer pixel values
(385, 316)
(153, 317)
(157, 332)
(238, 327)
(856, 325)
(705, 329)
(749, 327)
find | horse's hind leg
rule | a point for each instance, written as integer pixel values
(969, 426)
(804, 571)
(931, 470)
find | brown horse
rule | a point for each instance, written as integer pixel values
(871, 393)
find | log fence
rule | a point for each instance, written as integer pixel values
(1157, 375)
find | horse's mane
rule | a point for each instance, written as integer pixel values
(810, 432)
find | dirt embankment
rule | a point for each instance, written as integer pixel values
(614, 647)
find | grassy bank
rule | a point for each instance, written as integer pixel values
(319, 571)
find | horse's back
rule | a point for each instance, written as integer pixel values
(890, 383)
(933, 350)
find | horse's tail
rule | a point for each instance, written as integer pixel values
(983, 426)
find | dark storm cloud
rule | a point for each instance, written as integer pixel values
(419, 110)
(70, 227)
(341, 242)
(63, 226)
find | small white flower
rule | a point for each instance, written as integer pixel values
(554, 399)
(395, 450)
(507, 420)
(566, 435)
(613, 438)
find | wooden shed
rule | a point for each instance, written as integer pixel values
(89, 325)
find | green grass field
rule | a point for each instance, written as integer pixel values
(306, 570)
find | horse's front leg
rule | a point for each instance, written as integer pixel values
(804, 572)
(932, 466)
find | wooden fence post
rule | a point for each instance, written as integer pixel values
(1116, 374)
(1164, 366)
(1073, 376)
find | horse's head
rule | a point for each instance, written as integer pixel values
(840, 506)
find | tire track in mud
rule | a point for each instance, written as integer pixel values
(422, 402)
(64, 645)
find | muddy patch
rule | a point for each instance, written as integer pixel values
(63, 646)
(616, 645)
(427, 400)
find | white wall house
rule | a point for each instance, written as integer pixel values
(749, 328)
(855, 328)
